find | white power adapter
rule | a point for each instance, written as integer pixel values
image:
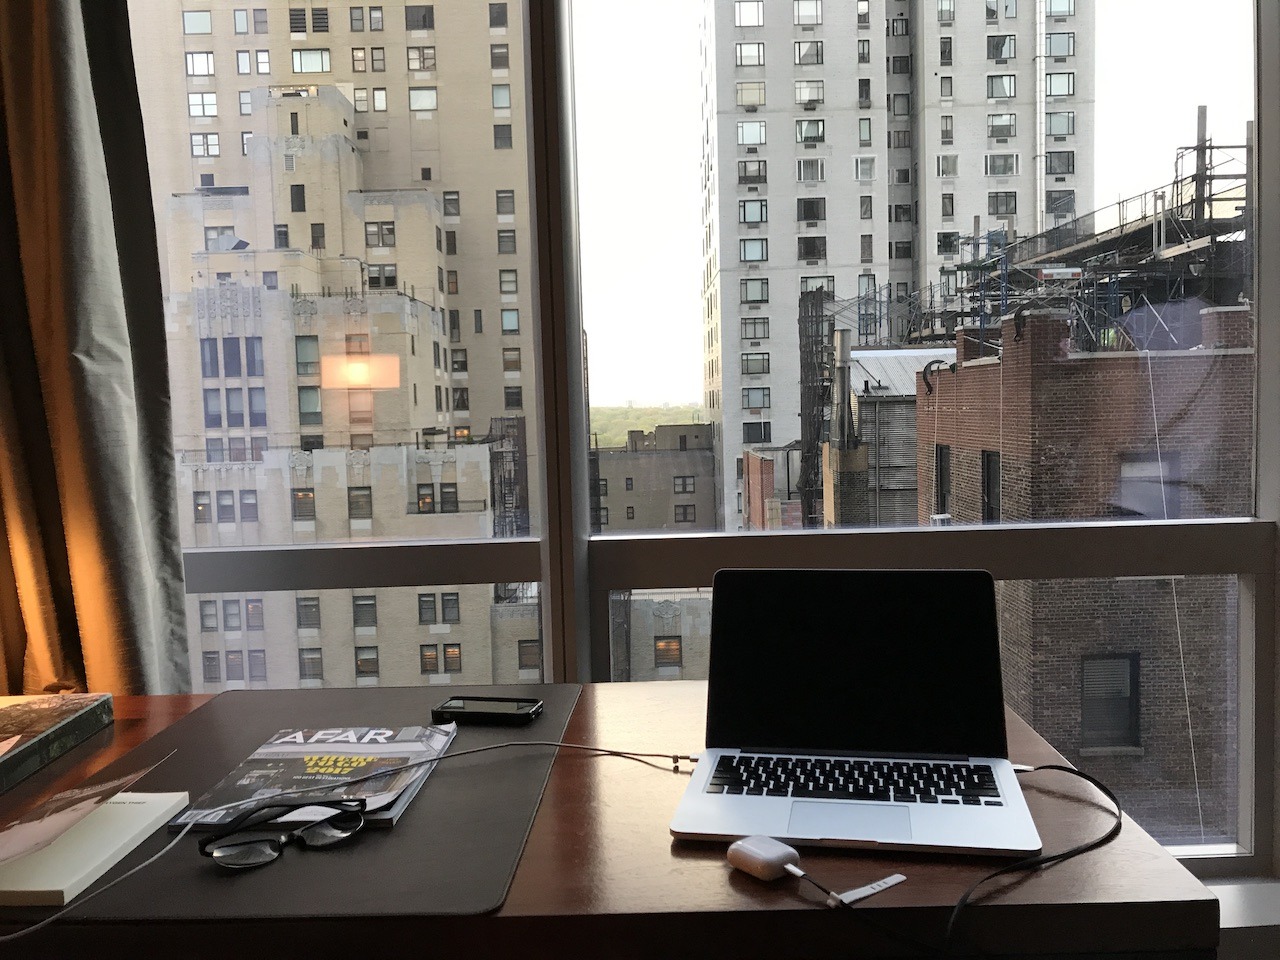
(763, 857)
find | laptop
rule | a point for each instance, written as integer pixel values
(857, 708)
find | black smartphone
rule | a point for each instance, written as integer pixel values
(499, 711)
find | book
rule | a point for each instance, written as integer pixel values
(55, 873)
(37, 730)
(324, 762)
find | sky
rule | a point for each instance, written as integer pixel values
(638, 144)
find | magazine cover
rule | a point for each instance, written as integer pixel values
(36, 730)
(330, 759)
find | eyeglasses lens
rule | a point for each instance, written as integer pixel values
(333, 830)
(242, 854)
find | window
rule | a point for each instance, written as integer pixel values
(948, 165)
(506, 202)
(259, 21)
(947, 129)
(864, 131)
(900, 27)
(942, 479)
(1109, 701)
(235, 408)
(309, 406)
(307, 355)
(749, 93)
(212, 666)
(298, 198)
(213, 452)
(510, 359)
(429, 656)
(753, 211)
(359, 61)
(809, 284)
(864, 168)
(990, 487)
(753, 398)
(751, 132)
(380, 233)
(243, 65)
(1002, 203)
(1060, 161)
(202, 104)
(867, 248)
(426, 608)
(257, 665)
(1002, 125)
(513, 398)
(499, 56)
(1150, 486)
(864, 92)
(452, 658)
(748, 13)
(1001, 164)
(258, 415)
(382, 276)
(426, 502)
(811, 248)
(753, 250)
(944, 51)
(200, 64)
(450, 609)
(1002, 47)
(749, 54)
(1002, 86)
(379, 99)
(810, 208)
(529, 655)
(297, 20)
(900, 250)
(510, 319)
(808, 51)
(1060, 8)
(508, 281)
(506, 241)
(418, 17)
(761, 432)
(212, 408)
(501, 96)
(357, 19)
(864, 51)
(303, 501)
(282, 236)
(812, 170)
(1059, 44)
(865, 207)
(947, 88)
(502, 136)
(948, 242)
(231, 616)
(208, 355)
(993, 10)
(666, 650)
(755, 363)
(310, 61)
(366, 661)
(864, 14)
(204, 145)
(451, 242)
(806, 12)
(1060, 203)
(753, 290)
(310, 663)
(461, 398)
(308, 613)
(422, 58)
(248, 506)
(422, 98)
(900, 213)
(1060, 123)
(900, 65)
(241, 20)
(364, 611)
(1059, 84)
(263, 60)
(203, 506)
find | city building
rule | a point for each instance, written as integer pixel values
(861, 148)
(342, 196)
(661, 480)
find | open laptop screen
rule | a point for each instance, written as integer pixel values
(901, 662)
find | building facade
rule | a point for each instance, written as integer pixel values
(865, 148)
(661, 480)
(343, 206)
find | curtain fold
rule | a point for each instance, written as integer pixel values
(90, 570)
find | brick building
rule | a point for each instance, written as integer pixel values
(1134, 680)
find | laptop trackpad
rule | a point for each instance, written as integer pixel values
(850, 821)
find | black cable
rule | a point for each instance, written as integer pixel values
(1042, 860)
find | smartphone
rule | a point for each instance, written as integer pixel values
(499, 711)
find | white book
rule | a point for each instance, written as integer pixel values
(56, 874)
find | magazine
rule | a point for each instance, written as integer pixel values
(36, 730)
(325, 761)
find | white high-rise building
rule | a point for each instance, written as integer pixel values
(869, 147)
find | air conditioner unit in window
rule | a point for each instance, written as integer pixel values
(749, 107)
(811, 105)
(940, 520)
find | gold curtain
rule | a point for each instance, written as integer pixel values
(90, 568)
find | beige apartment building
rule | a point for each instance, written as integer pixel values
(345, 219)
(659, 480)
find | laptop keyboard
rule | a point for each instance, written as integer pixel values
(837, 778)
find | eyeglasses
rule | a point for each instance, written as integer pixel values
(252, 839)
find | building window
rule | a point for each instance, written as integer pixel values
(807, 12)
(1059, 44)
(497, 15)
(506, 241)
(1060, 162)
(1002, 203)
(1109, 701)
(380, 233)
(378, 59)
(685, 484)
(864, 14)
(1001, 165)
(812, 170)
(422, 58)
(900, 27)
(945, 47)
(423, 98)
(1060, 203)
(864, 51)
(753, 211)
(1002, 86)
(357, 19)
(808, 51)
(235, 665)
(212, 667)
(453, 658)
(205, 145)
(811, 131)
(510, 319)
(749, 93)
(200, 64)
(811, 248)
(761, 432)
(450, 608)
(310, 61)
(309, 413)
(426, 498)
(202, 104)
(827, 284)
(948, 240)
(263, 60)
(501, 96)
(461, 398)
(755, 328)
(753, 290)
(248, 506)
(755, 363)
(257, 665)
(749, 54)
(1150, 486)
(308, 610)
(231, 615)
(1059, 84)
(942, 479)
(310, 663)
(529, 655)
(366, 661)
(1060, 8)
(449, 498)
(382, 276)
(864, 131)
(379, 99)
(359, 62)
(452, 201)
(420, 17)
(429, 658)
(258, 416)
(499, 56)
(303, 502)
(508, 281)
(208, 616)
(947, 88)
(751, 132)
(213, 452)
(360, 503)
(513, 398)
(946, 11)
(282, 236)
(1060, 123)
(752, 171)
(1002, 47)
(948, 165)
(900, 250)
(811, 208)
(426, 608)
(1002, 125)
(667, 651)
(600, 516)
(364, 611)
(506, 202)
(864, 169)
(748, 13)
(990, 486)
(753, 250)
(226, 506)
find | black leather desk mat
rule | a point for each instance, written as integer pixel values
(454, 850)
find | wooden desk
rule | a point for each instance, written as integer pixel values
(600, 876)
